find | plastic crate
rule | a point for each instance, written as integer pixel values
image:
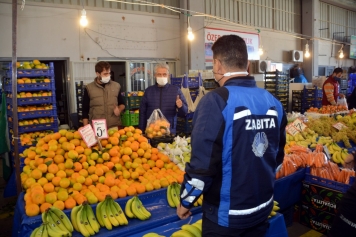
(131, 102)
(38, 127)
(312, 93)
(31, 72)
(210, 84)
(35, 114)
(288, 215)
(129, 118)
(184, 125)
(44, 86)
(34, 100)
(187, 82)
(343, 84)
(308, 104)
(164, 139)
(327, 182)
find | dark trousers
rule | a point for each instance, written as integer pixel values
(211, 229)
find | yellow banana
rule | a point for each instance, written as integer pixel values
(334, 158)
(98, 214)
(57, 221)
(109, 212)
(137, 210)
(105, 217)
(34, 232)
(45, 231)
(199, 226)
(152, 235)
(63, 217)
(143, 209)
(175, 195)
(192, 229)
(336, 147)
(53, 229)
(275, 208)
(182, 233)
(81, 222)
(344, 154)
(169, 196)
(275, 203)
(128, 210)
(273, 213)
(199, 221)
(91, 219)
(200, 200)
(73, 217)
(121, 218)
(86, 221)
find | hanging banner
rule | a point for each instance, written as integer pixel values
(212, 34)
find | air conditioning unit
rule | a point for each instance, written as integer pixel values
(297, 56)
(261, 66)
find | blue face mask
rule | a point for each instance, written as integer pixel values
(338, 79)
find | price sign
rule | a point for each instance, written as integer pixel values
(88, 135)
(100, 128)
(292, 130)
(339, 126)
(299, 125)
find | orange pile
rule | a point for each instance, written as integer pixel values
(61, 171)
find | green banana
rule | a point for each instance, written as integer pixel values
(175, 195)
(63, 217)
(98, 214)
(54, 230)
(111, 216)
(57, 221)
(45, 231)
(182, 233)
(199, 226)
(91, 219)
(34, 232)
(121, 218)
(275, 203)
(104, 216)
(192, 229)
(169, 196)
(143, 209)
(128, 210)
(81, 222)
(73, 217)
(86, 221)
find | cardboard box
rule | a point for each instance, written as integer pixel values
(320, 198)
(314, 219)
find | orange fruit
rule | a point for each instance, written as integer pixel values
(45, 206)
(62, 195)
(56, 181)
(131, 191)
(140, 188)
(37, 197)
(51, 197)
(36, 174)
(59, 204)
(58, 159)
(77, 166)
(144, 146)
(48, 187)
(109, 181)
(64, 183)
(69, 203)
(42, 168)
(159, 164)
(121, 193)
(32, 209)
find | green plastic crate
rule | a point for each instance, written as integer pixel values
(129, 118)
(132, 102)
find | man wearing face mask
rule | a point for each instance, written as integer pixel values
(331, 88)
(102, 98)
(237, 140)
(164, 96)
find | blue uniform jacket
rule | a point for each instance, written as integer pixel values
(238, 141)
(163, 98)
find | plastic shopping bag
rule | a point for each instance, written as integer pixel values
(157, 125)
(188, 98)
(342, 101)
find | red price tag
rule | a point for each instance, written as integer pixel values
(100, 128)
(88, 135)
(292, 130)
(299, 125)
(339, 126)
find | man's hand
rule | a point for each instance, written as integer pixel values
(182, 212)
(85, 122)
(349, 161)
(179, 102)
(117, 111)
(341, 95)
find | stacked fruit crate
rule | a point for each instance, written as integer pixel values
(311, 98)
(277, 83)
(132, 102)
(297, 96)
(343, 86)
(79, 91)
(36, 104)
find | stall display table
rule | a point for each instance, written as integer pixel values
(154, 201)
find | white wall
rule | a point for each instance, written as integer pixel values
(325, 57)
(46, 30)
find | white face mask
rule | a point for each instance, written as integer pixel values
(162, 80)
(105, 79)
(229, 74)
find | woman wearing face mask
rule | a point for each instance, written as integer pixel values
(102, 98)
(166, 97)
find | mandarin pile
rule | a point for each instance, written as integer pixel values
(61, 171)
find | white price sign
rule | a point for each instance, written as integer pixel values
(339, 126)
(299, 125)
(88, 135)
(100, 128)
(292, 130)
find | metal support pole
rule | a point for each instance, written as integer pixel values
(14, 96)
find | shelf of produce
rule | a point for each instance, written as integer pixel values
(38, 127)
(44, 86)
(33, 100)
(35, 113)
(154, 201)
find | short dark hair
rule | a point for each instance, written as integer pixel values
(231, 50)
(337, 70)
(100, 66)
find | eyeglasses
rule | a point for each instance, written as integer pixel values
(161, 74)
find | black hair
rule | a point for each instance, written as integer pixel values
(231, 50)
(337, 70)
(100, 66)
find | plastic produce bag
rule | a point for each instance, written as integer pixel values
(342, 101)
(188, 98)
(157, 125)
(200, 95)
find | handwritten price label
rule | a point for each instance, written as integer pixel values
(100, 128)
(339, 126)
(88, 135)
(292, 130)
(299, 125)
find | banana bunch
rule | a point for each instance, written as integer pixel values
(194, 230)
(84, 220)
(152, 234)
(199, 202)
(274, 210)
(173, 192)
(55, 223)
(135, 209)
(40, 231)
(339, 156)
(109, 214)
